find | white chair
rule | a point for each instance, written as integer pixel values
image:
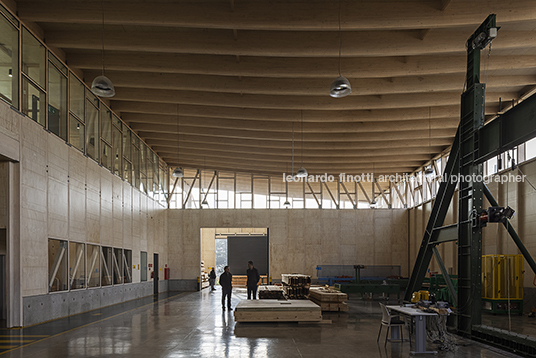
(389, 321)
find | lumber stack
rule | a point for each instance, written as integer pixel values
(329, 299)
(241, 280)
(271, 293)
(277, 311)
(296, 286)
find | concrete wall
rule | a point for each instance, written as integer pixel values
(299, 239)
(67, 196)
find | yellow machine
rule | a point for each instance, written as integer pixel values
(502, 282)
(420, 296)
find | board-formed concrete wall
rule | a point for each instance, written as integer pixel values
(65, 195)
(300, 239)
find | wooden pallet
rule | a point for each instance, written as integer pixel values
(332, 307)
(277, 311)
(271, 292)
(321, 294)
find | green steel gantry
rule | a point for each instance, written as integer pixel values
(474, 143)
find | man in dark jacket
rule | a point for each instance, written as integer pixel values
(253, 280)
(226, 282)
(212, 279)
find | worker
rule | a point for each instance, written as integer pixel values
(212, 279)
(226, 282)
(253, 280)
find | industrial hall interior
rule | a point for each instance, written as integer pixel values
(267, 178)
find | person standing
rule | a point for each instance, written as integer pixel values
(212, 279)
(226, 282)
(253, 280)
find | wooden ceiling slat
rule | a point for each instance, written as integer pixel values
(284, 44)
(360, 67)
(280, 15)
(302, 86)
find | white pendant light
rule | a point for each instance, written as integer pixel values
(102, 86)
(340, 87)
(178, 172)
(428, 171)
(301, 173)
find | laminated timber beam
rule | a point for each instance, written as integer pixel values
(291, 16)
(276, 44)
(325, 104)
(300, 86)
(362, 67)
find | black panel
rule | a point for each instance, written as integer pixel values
(241, 249)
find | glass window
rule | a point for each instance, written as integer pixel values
(58, 64)
(127, 143)
(143, 266)
(118, 266)
(8, 15)
(57, 102)
(106, 156)
(530, 149)
(34, 55)
(107, 268)
(106, 125)
(117, 145)
(77, 265)
(33, 101)
(76, 99)
(57, 265)
(92, 98)
(127, 171)
(9, 63)
(76, 133)
(92, 131)
(127, 265)
(93, 265)
(136, 166)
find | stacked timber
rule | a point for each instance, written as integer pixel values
(271, 293)
(241, 280)
(329, 299)
(277, 311)
(204, 276)
(296, 286)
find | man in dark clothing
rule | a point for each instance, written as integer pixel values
(226, 282)
(212, 279)
(253, 280)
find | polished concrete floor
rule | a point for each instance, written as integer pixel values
(193, 325)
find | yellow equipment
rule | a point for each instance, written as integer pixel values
(502, 282)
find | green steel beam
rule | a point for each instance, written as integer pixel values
(436, 220)
(509, 130)
(446, 276)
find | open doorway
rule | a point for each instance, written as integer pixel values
(234, 247)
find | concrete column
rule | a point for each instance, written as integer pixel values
(14, 262)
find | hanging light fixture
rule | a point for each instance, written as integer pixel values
(10, 73)
(340, 87)
(102, 86)
(178, 172)
(373, 201)
(428, 171)
(302, 172)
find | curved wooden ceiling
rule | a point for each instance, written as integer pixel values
(242, 72)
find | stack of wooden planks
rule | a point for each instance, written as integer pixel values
(277, 311)
(328, 299)
(296, 286)
(271, 292)
(241, 280)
